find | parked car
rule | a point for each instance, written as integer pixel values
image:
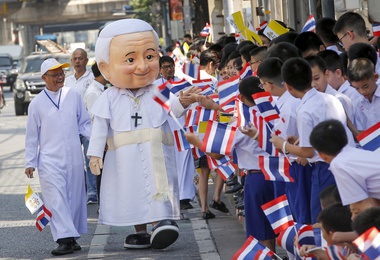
(9, 68)
(29, 82)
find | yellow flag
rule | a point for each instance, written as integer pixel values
(238, 18)
(32, 201)
(252, 36)
(274, 29)
(202, 126)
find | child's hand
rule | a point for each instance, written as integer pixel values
(250, 130)
(304, 250)
(277, 141)
(193, 139)
(302, 160)
(189, 96)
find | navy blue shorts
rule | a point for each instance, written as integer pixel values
(299, 192)
(257, 191)
(321, 178)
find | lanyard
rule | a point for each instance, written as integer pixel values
(59, 99)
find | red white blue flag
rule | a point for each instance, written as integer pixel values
(309, 25)
(215, 163)
(180, 139)
(278, 213)
(370, 138)
(206, 30)
(245, 114)
(226, 170)
(262, 25)
(265, 130)
(253, 249)
(228, 90)
(334, 252)
(177, 86)
(305, 235)
(275, 168)
(218, 138)
(286, 238)
(191, 69)
(266, 106)
(197, 153)
(204, 114)
(191, 116)
(43, 218)
(246, 71)
(163, 95)
(369, 243)
(376, 29)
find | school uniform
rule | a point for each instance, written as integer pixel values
(317, 107)
(357, 174)
(349, 91)
(344, 100)
(367, 113)
(257, 191)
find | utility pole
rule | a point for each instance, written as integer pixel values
(166, 27)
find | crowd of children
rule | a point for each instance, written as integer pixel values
(325, 86)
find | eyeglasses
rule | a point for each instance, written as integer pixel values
(344, 35)
(261, 85)
(254, 62)
(56, 75)
(168, 67)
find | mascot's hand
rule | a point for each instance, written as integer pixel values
(96, 164)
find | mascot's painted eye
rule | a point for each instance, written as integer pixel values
(130, 60)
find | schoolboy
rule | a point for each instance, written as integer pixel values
(363, 78)
(298, 192)
(355, 170)
(324, 29)
(309, 43)
(319, 82)
(315, 107)
(284, 51)
(257, 191)
(257, 56)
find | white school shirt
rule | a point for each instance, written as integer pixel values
(287, 104)
(346, 101)
(91, 95)
(316, 107)
(349, 91)
(80, 85)
(357, 174)
(367, 114)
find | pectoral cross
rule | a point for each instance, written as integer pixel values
(137, 119)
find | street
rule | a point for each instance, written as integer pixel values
(20, 239)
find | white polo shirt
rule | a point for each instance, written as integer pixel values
(287, 104)
(81, 84)
(367, 114)
(346, 101)
(349, 91)
(357, 174)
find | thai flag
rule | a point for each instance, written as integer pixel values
(376, 29)
(369, 243)
(305, 235)
(245, 114)
(262, 25)
(191, 116)
(206, 30)
(163, 95)
(197, 153)
(218, 138)
(204, 114)
(278, 213)
(225, 170)
(246, 71)
(215, 163)
(228, 90)
(265, 130)
(43, 218)
(309, 25)
(334, 252)
(266, 106)
(177, 86)
(180, 139)
(206, 89)
(286, 238)
(253, 249)
(275, 168)
(370, 138)
(191, 69)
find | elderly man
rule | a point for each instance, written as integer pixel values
(56, 118)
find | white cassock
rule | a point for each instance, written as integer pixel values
(53, 146)
(140, 159)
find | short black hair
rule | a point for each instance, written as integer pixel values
(246, 50)
(297, 73)
(330, 195)
(351, 21)
(95, 70)
(227, 50)
(187, 36)
(336, 218)
(324, 29)
(360, 69)
(216, 47)
(238, 63)
(332, 60)
(229, 39)
(208, 56)
(243, 44)
(344, 58)
(307, 41)
(259, 52)
(164, 59)
(329, 137)
(283, 51)
(249, 86)
(233, 55)
(316, 61)
(362, 50)
(286, 37)
(367, 219)
(170, 48)
(270, 69)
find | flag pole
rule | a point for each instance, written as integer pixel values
(281, 149)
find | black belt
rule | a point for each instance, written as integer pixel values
(253, 171)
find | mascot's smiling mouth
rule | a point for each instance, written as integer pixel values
(140, 75)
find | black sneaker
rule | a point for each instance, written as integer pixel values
(64, 247)
(137, 241)
(164, 233)
(232, 180)
(219, 206)
(208, 215)
(185, 204)
(234, 188)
